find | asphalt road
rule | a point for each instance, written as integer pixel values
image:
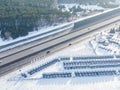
(16, 60)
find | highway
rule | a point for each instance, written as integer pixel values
(41, 35)
(78, 25)
(40, 39)
(23, 55)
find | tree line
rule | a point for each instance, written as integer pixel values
(18, 17)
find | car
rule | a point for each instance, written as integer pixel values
(70, 44)
(48, 52)
(0, 61)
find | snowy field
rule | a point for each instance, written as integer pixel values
(14, 81)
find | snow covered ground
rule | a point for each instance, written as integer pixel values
(14, 81)
(85, 7)
(107, 43)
